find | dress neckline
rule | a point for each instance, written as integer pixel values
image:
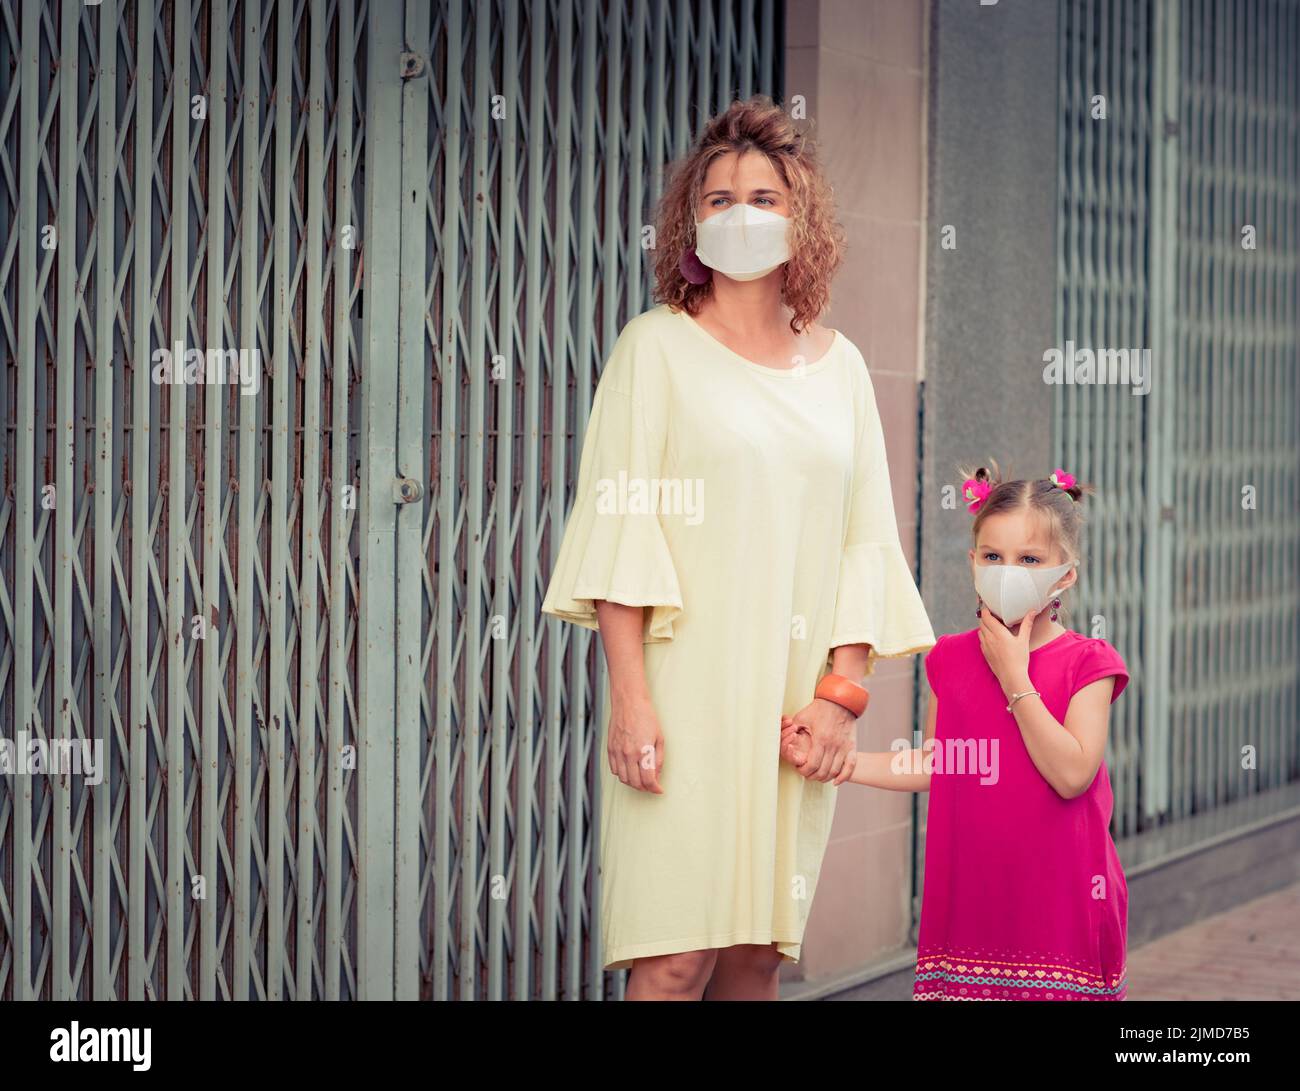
(777, 373)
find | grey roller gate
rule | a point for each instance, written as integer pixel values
(1180, 233)
(180, 547)
(296, 605)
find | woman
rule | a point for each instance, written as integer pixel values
(732, 538)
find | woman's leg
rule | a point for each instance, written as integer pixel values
(747, 971)
(679, 976)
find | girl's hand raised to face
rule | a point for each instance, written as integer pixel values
(1007, 653)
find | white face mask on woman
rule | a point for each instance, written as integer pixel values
(743, 242)
(1012, 590)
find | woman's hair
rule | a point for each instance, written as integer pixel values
(816, 240)
(1060, 507)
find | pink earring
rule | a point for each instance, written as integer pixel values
(694, 270)
(1056, 605)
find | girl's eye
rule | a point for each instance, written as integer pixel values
(767, 199)
(1030, 560)
(990, 556)
(718, 200)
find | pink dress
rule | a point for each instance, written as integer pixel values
(1024, 895)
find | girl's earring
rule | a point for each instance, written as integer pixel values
(1056, 605)
(978, 606)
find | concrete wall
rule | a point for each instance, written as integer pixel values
(991, 301)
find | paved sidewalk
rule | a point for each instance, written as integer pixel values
(1251, 952)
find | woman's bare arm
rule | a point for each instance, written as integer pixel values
(831, 728)
(635, 746)
(850, 661)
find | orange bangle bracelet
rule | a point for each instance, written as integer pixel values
(843, 692)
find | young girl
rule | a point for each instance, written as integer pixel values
(1024, 895)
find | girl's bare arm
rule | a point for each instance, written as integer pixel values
(898, 770)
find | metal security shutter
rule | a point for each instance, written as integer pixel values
(1201, 141)
(1235, 425)
(1103, 249)
(179, 561)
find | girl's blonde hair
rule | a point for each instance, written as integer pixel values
(816, 240)
(1060, 507)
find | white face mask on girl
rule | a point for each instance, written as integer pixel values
(744, 242)
(1012, 590)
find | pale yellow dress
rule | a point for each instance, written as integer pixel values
(749, 508)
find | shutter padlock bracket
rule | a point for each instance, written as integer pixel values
(406, 490)
(412, 65)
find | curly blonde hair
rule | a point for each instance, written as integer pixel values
(816, 239)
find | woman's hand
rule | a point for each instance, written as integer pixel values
(636, 743)
(832, 741)
(1007, 653)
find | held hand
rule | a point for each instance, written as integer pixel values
(833, 745)
(1007, 653)
(636, 744)
(795, 742)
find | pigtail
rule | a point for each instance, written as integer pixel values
(991, 477)
(1067, 483)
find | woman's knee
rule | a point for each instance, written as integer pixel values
(754, 958)
(681, 971)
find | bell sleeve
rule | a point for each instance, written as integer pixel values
(612, 549)
(877, 601)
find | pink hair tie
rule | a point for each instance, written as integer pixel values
(1062, 480)
(975, 492)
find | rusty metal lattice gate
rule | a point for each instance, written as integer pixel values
(179, 546)
(293, 593)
